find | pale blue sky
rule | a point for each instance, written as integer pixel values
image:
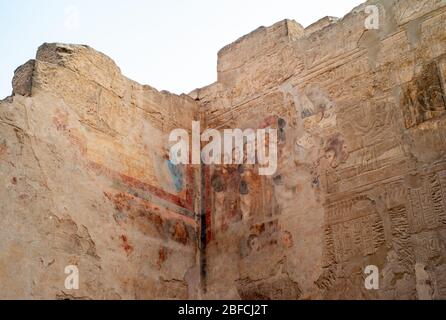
(169, 44)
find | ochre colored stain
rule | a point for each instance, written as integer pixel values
(138, 184)
(3, 149)
(268, 122)
(126, 245)
(258, 228)
(163, 253)
(23, 197)
(151, 220)
(287, 239)
(122, 201)
(179, 232)
(78, 142)
(157, 221)
(60, 120)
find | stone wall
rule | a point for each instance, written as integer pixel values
(361, 178)
(86, 181)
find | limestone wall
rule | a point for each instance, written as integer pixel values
(361, 177)
(85, 181)
(85, 178)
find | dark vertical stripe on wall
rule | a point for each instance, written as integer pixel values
(203, 230)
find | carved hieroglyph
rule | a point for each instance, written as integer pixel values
(360, 178)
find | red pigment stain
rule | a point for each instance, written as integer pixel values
(122, 201)
(157, 221)
(78, 141)
(269, 121)
(127, 247)
(14, 180)
(135, 183)
(179, 233)
(3, 149)
(162, 256)
(60, 120)
(147, 218)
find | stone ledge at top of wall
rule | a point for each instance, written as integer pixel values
(266, 39)
(320, 24)
(23, 79)
(259, 41)
(81, 59)
(58, 66)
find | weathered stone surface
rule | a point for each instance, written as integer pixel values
(22, 81)
(362, 163)
(361, 179)
(85, 182)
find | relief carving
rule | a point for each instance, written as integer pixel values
(427, 203)
(423, 98)
(354, 228)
